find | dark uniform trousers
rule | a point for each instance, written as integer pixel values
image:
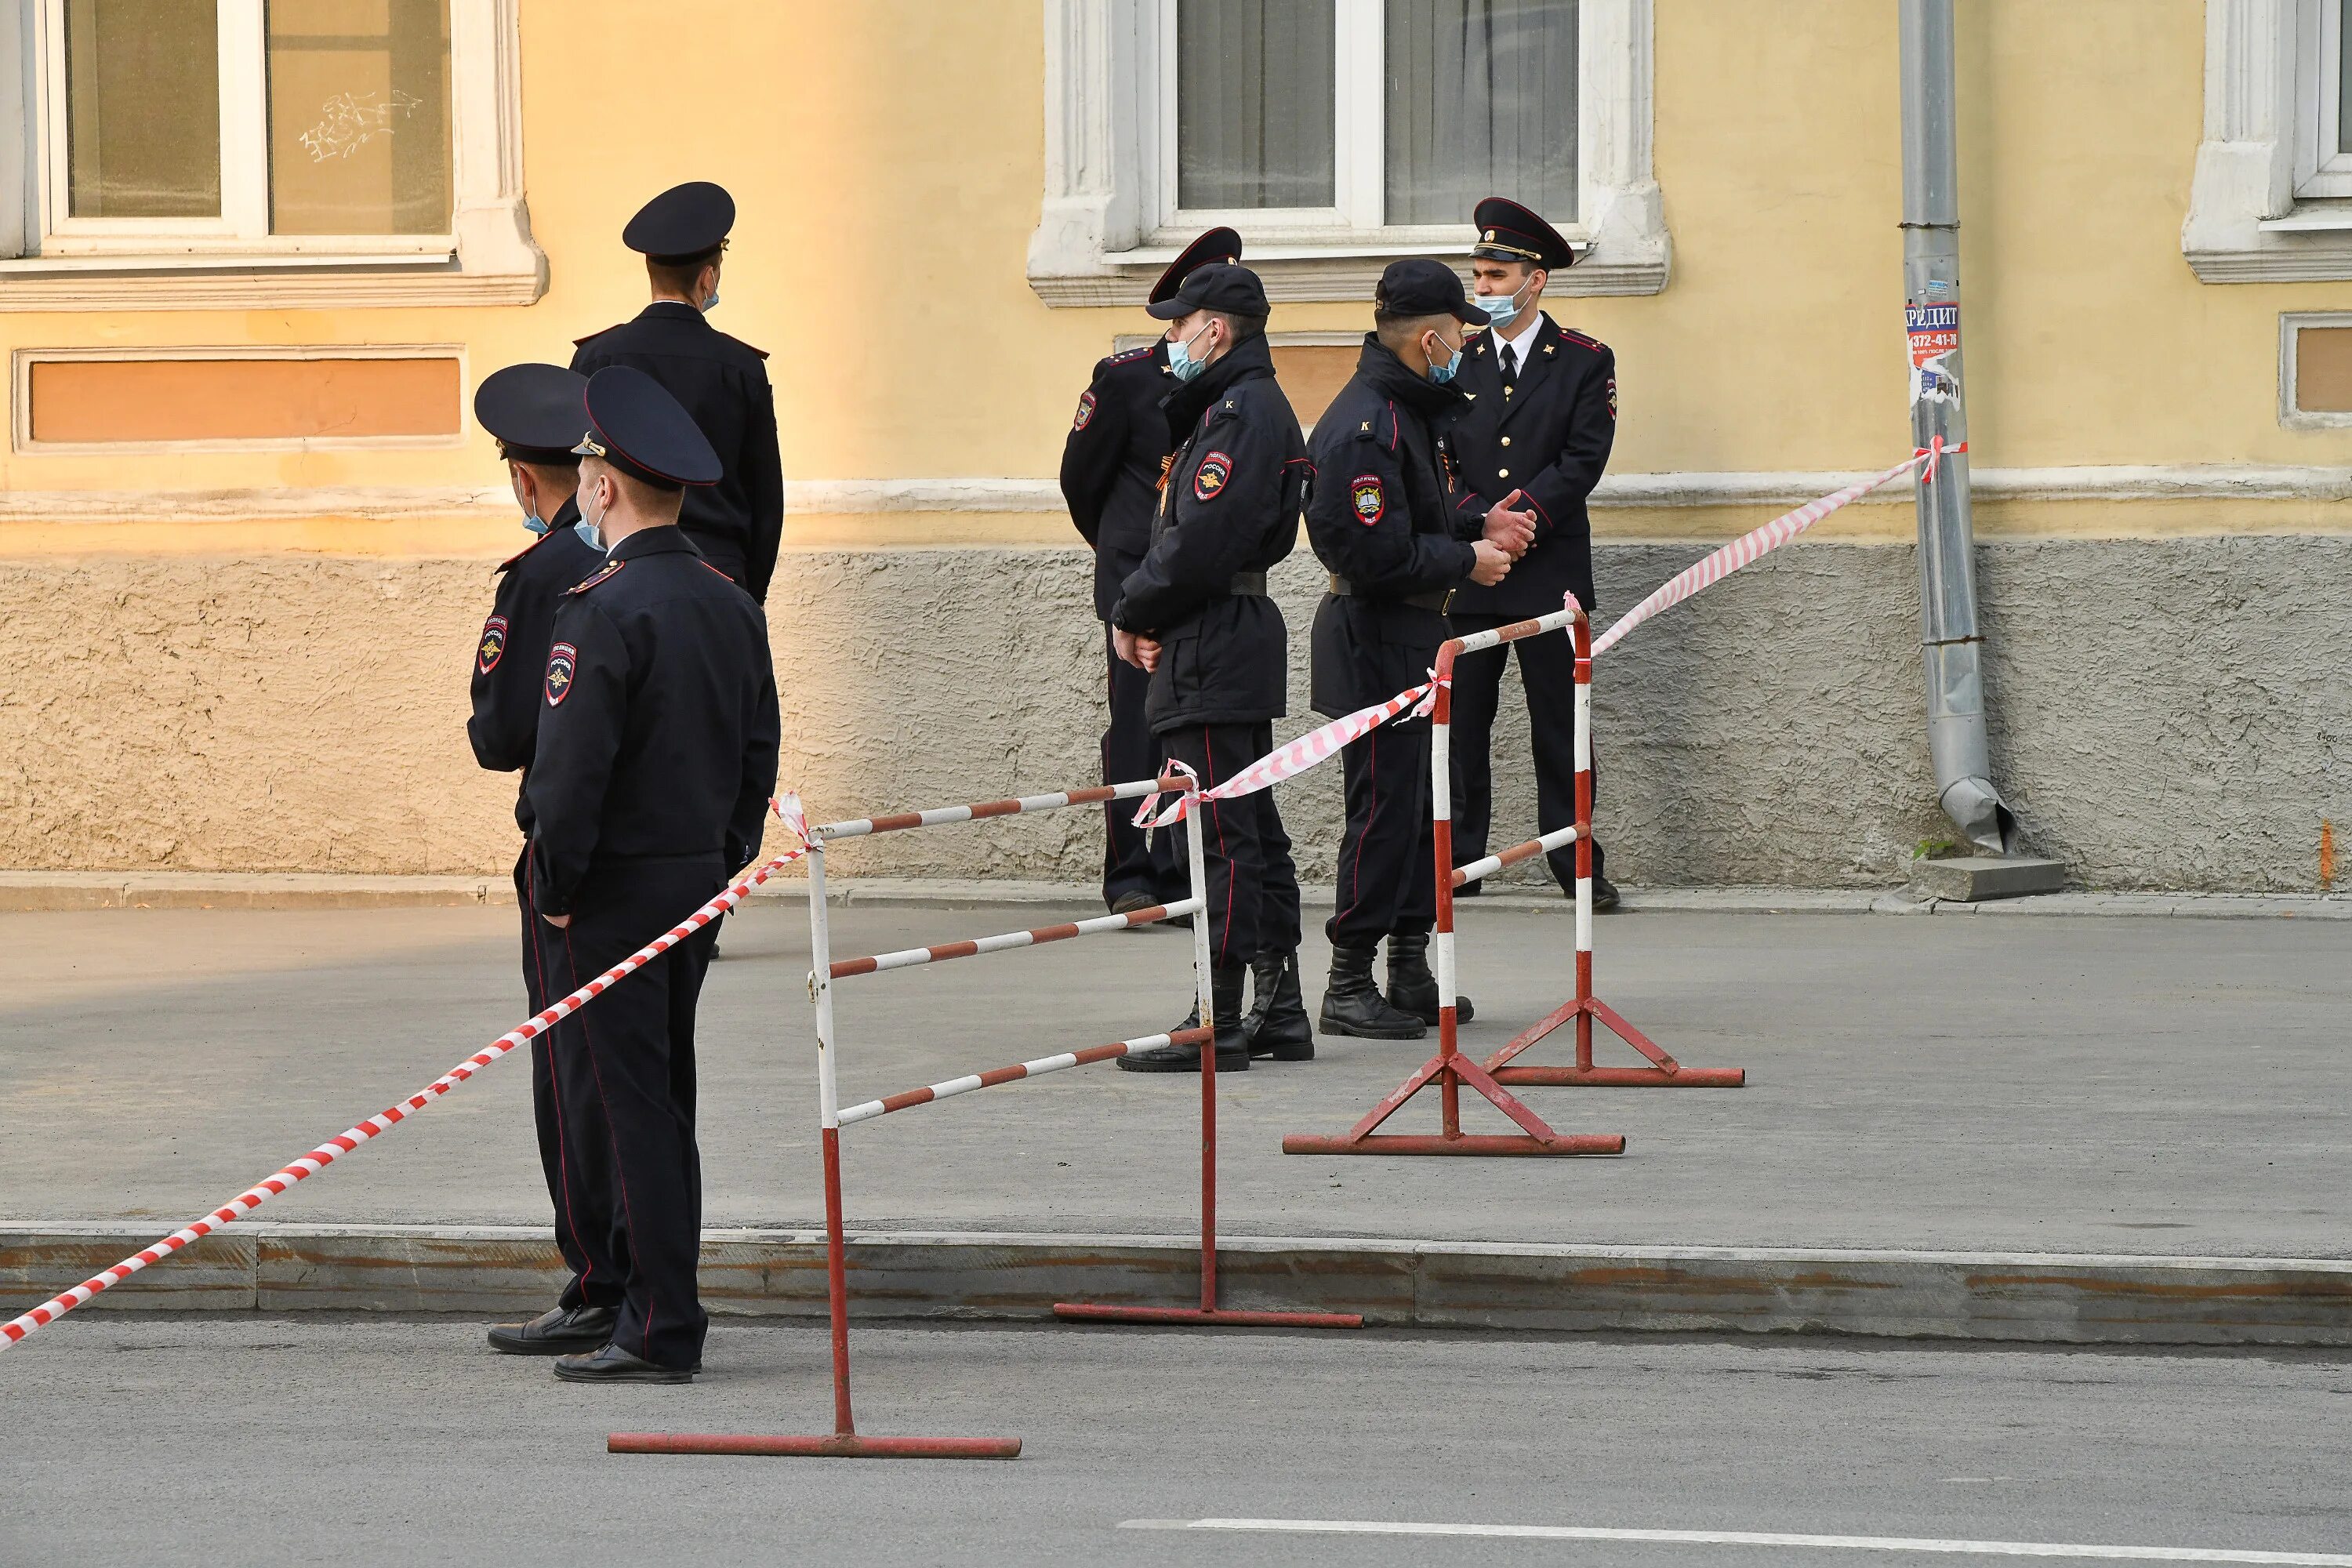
(1388, 860)
(1253, 884)
(1548, 677)
(620, 1076)
(1134, 860)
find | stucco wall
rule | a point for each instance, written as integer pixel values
(2166, 713)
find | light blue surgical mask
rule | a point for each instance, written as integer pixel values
(1441, 374)
(1501, 308)
(535, 522)
(587, 532)
(591, 529)
(1180, 363)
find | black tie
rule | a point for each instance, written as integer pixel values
(1510, 364)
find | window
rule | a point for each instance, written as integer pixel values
(172, 137)
(2323, 101)
(1335, 134)
(2271, 200)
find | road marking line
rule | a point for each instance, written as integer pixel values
(1752, 1538)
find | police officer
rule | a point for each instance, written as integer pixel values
(1120, 442)
(656, 760)
(1543, 415)
(1383, 520)
(535, 411)
(738, 521)
(1196, 618)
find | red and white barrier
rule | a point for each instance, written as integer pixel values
(787, 808)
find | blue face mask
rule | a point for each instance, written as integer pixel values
(1441, 374)
(535, 522)
(1501, 308)
(1180, 363)
(712, 303)
(588, 535)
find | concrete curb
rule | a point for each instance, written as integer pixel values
(53, 891)
(2056, 1298)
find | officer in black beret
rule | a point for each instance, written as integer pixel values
(738, 521)
(649, 787)
(1119, 444)
(535, 411)
(1383, 520)
(1542, 417)
(1195, 617)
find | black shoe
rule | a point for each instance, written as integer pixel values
(1233, 1044)
(1352, 1004)
(557, 1333)
(1128, 903)
(1412, 987)
(1277, 1026)
(613, 1365)
(1604, 895)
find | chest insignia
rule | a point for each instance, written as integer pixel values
(562, 662)
(1366, 495)
(1209, 479)
(1086, 411)
(607, 570)
(494, 644)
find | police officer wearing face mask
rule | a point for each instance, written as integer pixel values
(1383, 520)
(1195, 617)
(1542, 419)
(738, 523)
(534, 410)
(1118, 444)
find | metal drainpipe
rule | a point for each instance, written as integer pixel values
(1931, 291)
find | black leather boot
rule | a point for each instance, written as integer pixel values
(1352, 1004)
(560, 1331)
(1233, 1044)
(1412, 987)
(1277, 1025)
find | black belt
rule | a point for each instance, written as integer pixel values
(1343, 589)
(1248, 584)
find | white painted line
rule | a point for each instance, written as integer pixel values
(1751, 1538)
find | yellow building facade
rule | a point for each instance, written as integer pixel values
(248, 524)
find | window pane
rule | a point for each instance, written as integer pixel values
(1481, 101)
(1253, 104)
(359, 117)
(2344, 79)
(142, 108)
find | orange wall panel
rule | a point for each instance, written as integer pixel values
(145, 400)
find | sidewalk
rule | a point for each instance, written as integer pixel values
(2142, 1090)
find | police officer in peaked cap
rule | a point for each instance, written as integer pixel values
(647, 789)
(534, 410)
(1195, 617)
(1542, 417)
(737, 520)
(1119, 444)
(1384, 519)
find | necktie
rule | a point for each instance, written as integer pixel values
(1510, 364)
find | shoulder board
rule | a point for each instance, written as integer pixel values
(706, 565)
(583, 343)
(1581, 340)
(1129, 357)
(508, 564)
(604, 573)
(747, 347)
(1379, 426)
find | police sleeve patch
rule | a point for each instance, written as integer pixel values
(1369, 499)
(1209, 479)
(494, 644)
(562, 662)
(1613, 397)
(1086, 411)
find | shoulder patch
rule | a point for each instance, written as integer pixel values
(1581, 340)
(494, 644)
(1209, 479)
(1084, 417)
(1613, 397)
(563, 665)
(603, 572)
(583, 343)
(1371, 500)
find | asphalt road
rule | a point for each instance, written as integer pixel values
(162, 1441)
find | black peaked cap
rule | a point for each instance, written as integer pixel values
(1216, 245)
(1509, 232)
(637, 426)
(1220, 285)
(533, 410)
(684, 223)
(1418, 285)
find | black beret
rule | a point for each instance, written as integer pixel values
(1418, 285)
(1509, 232)
(637, 426)
(1219, 286)
(1217, 245)
(533, 410)
(685, 223)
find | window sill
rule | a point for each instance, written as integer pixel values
(1338, 271)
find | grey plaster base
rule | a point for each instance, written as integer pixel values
(1973, 878)
(2050, 1297)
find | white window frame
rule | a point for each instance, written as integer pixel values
(2292, 416)
(2264, 206)
(51, 261)
(1109, 221)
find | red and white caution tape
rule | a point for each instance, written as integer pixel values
(1750, 547)
(1289, 759)
(795, 820)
